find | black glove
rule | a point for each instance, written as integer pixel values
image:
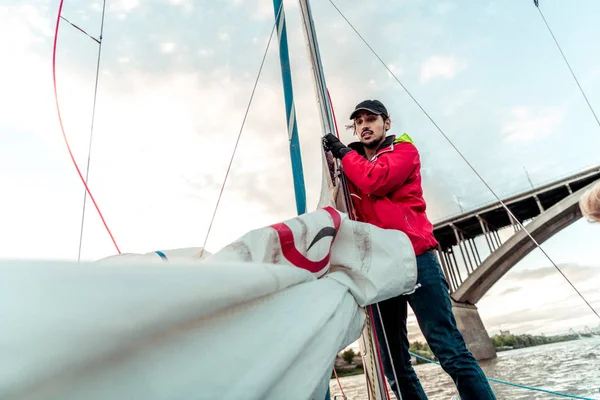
(333, 144)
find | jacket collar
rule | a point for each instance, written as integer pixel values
(385, 146)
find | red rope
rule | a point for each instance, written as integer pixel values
(339, 383)
(379, 353)
(63, 129)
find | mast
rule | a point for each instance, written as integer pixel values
(327, 119)
(327, 122)
(290, 109)
(376, 384)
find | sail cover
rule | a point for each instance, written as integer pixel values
(263, 318)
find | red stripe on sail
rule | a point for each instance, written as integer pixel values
(291, 253)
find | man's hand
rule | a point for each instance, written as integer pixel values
(333, 144)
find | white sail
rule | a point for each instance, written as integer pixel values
(252, 321)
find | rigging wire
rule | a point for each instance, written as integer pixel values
(87, 170)
(464, 158)
(240, 132)
(62, 128)
(537, 5)
(82, 31)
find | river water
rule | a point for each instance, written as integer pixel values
(568, 367)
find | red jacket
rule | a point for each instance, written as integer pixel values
(386, 190)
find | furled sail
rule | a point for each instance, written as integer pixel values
(263, 318)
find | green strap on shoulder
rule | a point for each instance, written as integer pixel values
(404, 138)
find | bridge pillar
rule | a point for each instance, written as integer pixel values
(470, 325)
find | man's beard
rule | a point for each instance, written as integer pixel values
(374, 144)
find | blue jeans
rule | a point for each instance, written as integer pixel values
(433, 309)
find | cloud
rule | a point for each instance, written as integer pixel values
(577, 272)
(548, 319)
(445, 8)
(187, 5)
(540, 300)
(523, 124)
(207, 52)
(457, 102)
(124, 5)
(441, 67)
(167, 47)
(510, 290)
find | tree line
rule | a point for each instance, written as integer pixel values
(509, 341)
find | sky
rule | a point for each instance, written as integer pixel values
(174, 84)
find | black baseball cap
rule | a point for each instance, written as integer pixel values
(373, 106)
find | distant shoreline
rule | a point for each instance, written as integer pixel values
(502, 343)
(508, 341)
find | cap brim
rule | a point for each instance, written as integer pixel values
(364, 109)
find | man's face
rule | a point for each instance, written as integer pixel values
(370, 128)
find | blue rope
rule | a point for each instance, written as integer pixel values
(512, 384)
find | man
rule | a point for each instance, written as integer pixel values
(589, 203)
(385, 184)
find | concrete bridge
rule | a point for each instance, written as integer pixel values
(474, 257)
